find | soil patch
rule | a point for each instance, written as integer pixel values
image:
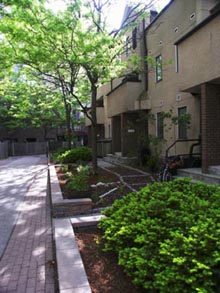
(106, 186)
(104, 274)
(123, 171)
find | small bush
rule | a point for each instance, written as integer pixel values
(82, 154)
(54, 155)
(153, 163)
(167, 236)
(79, 182)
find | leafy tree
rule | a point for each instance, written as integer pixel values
(69, 51)
(24, 105)
(44, 43)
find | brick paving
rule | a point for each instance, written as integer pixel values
(27, 263)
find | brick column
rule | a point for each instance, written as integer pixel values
(210, 116)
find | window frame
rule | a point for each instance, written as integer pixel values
(134, 38)
(128, 46)
(182, 128)
(160, 125)
(158, 62)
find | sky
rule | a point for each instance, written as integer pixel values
(119, 10)
(116, 13)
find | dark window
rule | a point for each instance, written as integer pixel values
(134, 38)
(31, 139)
(160, 126)
(158, 68)
(182, 125)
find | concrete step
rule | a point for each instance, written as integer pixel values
(196, 174)
(115, 159)
(214, 170)
(87, 220)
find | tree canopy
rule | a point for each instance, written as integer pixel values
(71, 52)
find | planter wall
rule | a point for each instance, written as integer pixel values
(65, 207)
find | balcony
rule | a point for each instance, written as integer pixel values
(126, 98)
(100, 114)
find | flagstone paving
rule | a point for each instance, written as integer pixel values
(27, 262)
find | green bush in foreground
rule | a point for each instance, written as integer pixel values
(167, 236)
(75, 155)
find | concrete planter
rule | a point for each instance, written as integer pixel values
(80, 194)
(66, 207)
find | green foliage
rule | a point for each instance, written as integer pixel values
(75, 155)
(79, 182)
(153, 163)
(167, 236)
(24, 104)
(55, 155)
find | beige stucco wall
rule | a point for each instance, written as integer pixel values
(123, 99)
(203, 8)
(103, 90)
(198, 62)
(100, 114)
(167, 95)
(107, 122)
(199, 56)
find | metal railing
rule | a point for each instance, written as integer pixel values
(197, 143)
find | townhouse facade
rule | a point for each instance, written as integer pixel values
(176, 95)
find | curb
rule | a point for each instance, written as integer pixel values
(72, 277)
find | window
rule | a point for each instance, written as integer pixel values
(182, 124)
(160, 126)
(134, 38)
(127, 46)
(109, 131)
(158, 68)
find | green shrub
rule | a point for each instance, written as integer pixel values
(75, 155)
(167, 236)
(79, 182)
(153, 163)
(55, 155)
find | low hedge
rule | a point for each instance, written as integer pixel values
(82, 154)
(167, 236)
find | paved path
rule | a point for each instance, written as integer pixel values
(25, 230)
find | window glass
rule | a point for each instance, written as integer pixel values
(158, 68)
(160, 126)
(182, 125)
(134, 38)
(128, 46)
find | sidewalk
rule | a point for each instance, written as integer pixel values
(27, 262)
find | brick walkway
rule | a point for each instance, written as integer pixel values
(27, 263)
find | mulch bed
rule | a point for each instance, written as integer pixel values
(104, 274)
(103, 271)
(134, 178)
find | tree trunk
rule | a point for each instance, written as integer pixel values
(69, 131)
(94, 128)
